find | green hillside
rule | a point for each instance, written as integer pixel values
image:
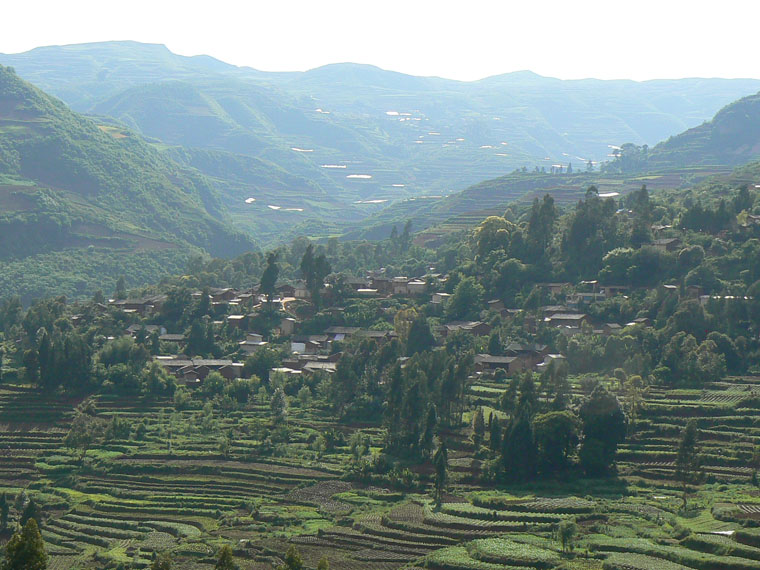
(729, 139)
(71, 185)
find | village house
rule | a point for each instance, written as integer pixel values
(367, 292)
(357, 283)
(568, 320)
(416, 287)
(252, 342)
(309, 344)
(319, 366)
(440, 298)
(609, 329)
(614, 290)
(135, 330)
(286, 290)
(548, 359)
(575, 300)
(554, 288)
(528, 354)
(341, 333)
(144, 307)
(300, 291)
(384, 285)
(477, 328)
(400, 285)
(194, 371)
(667, 244)
(488, 364)
(174, 338)
(286, 327)
(222, 295)
(379, 336)
(236, 321)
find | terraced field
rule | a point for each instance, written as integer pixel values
(189, 480)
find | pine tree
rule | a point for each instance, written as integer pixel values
(162, 562)
(495, 435)
(687, 459)
(31, 511)
(121, 289)
(440, 463)
(225, 560)
(4, 511)
(26, 549)
(293, 560)
(478, 427)
(269, 277)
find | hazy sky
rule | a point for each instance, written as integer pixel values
(463, 39)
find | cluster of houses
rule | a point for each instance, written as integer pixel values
(315, 352)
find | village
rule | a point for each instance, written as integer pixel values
(236, 310)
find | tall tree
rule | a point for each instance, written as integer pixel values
(225, 560)
(478, 427)
(269, 277)
(688, 460)
(121, 289)
(440, 464)
(4, 511)
(604, 427)
(162, 562)
(420, 338)
(26, 549)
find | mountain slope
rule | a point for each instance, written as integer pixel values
(68, 183)
(732, 137)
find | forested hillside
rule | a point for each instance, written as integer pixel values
(90, 191)
(729, 139)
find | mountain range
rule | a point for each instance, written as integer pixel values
(336, 144)
(153, 156)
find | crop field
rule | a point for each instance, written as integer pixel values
(190, 480)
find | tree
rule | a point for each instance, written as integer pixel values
(604, 427)
(518, 451)
(687, 459)
(121, 289)
(31, 511)
(556, 435)
(293, 560)
(323, 564)
(466, 301)
(269, 277)
(4, 511)
(225, 560)
(26, 549)
(566, 531)
(440, 463)
(85, 429)
(420, 337)
(162, 562)
(494, 442)
(478, 427)
(279, 406)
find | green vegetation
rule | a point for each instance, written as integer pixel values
(570, 386)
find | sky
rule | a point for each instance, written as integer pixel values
(463, 39)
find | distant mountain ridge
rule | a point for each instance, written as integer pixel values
(393, 135)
